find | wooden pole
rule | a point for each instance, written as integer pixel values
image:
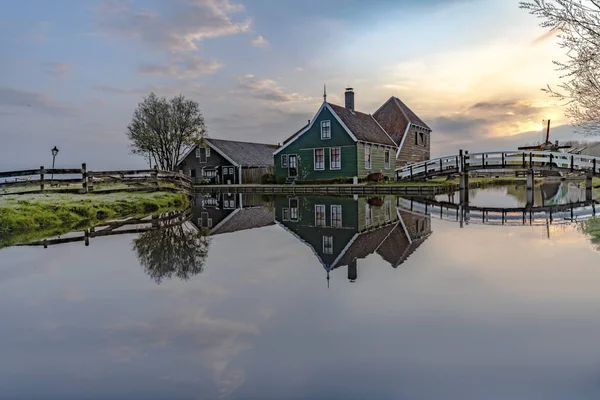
(84, 178)
(42, 177)
(90, 175)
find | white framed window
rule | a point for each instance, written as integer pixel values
(320, 215)
(368, 215)
(211, 173)
(386, 160)
(335, 158)
(388, 210)
(367, 156)
(208, 152)
(325, 130)
(327, 244)
(336, 216)
(284, 161)
(319, 159)
(293, 203)
(286, 214)
(201, 154)
(204, 221)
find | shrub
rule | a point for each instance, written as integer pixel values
(268, 179)
(280, 180)
(333, 181)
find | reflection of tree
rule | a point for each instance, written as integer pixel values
(591, 228)
(173, 251)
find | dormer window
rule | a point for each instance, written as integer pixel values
(325, 130)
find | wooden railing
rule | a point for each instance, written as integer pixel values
(84, 181)
(500, 160)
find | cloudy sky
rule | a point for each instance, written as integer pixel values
(72, 72)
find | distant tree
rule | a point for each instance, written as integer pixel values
(172, 252)
(577, 23)
(166, 129)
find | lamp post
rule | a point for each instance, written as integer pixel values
(54, 153)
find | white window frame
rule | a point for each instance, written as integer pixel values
(330, 247)
(331, 166)
(284, 164)
(208, 220)
(285, 214)
(293, 210)
(207, 151)
(369, 159)
(323, 125)
(198, 152)
(336, 224)
(315, 160)
(322, 207)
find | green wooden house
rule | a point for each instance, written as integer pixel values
(343, 230)
(339, 142)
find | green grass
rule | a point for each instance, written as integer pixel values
(24, 218)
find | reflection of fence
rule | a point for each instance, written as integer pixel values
(83, 181)
(121, 227)
(464, 213)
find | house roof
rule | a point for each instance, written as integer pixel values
(363, 126)
(245, 218)
(397, 247)
(295, 133)
(394, 119)
(365, 243)
(245, 154)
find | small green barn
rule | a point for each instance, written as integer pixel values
(339, 142)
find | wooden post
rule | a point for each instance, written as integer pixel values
(411, 173)
(503, 160)
(90, 175)
(87, 237)
(466, 164)
(551, 158)
(84, 178)
(441, 165)
(460, 161)
(572, 161)
(594, 167)
(42, 177)
(154, 180)
(524, 160)
(426, 169)
(530, 159)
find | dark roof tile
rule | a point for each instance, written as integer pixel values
(363, 126)
(244, 153)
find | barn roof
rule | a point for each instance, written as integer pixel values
(245, 218)
(245, 154)
(364, 127)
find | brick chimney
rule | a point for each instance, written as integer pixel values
(350, 98)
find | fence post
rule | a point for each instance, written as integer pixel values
(523, 160)
(84, 178)
(154, 180)
(530, 159)
(572, 159)
(42, 177)
(90, 175)
(551, 158)
(594, 170)
(502, 160)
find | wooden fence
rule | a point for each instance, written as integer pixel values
(82, 180)
(253, 175)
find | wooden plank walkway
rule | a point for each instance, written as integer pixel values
(330, 189)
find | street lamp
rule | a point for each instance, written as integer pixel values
(54, 153)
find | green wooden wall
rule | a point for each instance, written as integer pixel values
(377, 160)
(378, 214)
(310, 140)
(305, 226)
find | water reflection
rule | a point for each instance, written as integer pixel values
(343, 230)
(176, 251)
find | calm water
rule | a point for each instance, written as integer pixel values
(306, 297)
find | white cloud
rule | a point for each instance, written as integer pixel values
(182, 65)
(260, 41)
(265, 89)
(189, 22)
(35, 101)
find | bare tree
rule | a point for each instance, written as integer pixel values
(165, 129)
(577, 23)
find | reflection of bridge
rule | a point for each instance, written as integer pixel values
(464, 213)
(531, 160)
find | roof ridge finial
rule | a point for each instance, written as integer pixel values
(325, 92)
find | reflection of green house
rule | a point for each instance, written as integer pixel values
(342, 230)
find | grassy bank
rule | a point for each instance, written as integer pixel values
(30, 217)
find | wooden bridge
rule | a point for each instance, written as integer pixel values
(530, 160)
(467, 214)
